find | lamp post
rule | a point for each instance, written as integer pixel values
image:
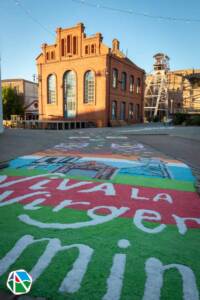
(171, 108)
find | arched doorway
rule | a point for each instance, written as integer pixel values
(69, 93)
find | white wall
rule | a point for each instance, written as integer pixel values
(30, 92)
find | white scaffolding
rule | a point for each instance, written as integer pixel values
(156, 91)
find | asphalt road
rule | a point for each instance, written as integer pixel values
(182, 143)
(187, 150)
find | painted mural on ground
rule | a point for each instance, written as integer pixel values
(101, 227)
(102, 145)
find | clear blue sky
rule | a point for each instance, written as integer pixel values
(21, 37)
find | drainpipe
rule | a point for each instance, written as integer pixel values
(108, 74)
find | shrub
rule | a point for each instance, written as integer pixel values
(156, 119)
(193, 121)
(179, 118)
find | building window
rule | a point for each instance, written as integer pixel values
(131, 111)
(123, 81)
(138, 112)
(87, 49)
(89, 87)
(131, 84)
(69, 44)
(69, 91)
(74, 45)
(93, 48)
(138, 85)
(52, 55)
(51, 89)
(114, 78)
(63, 47)
(47, 55)
(35, 105)
(122, 111)
(114, 110)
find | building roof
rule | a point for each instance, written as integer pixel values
(18, 79)
(185, 71)
(161, 54)
(130, 61)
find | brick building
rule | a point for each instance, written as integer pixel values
(80, 78)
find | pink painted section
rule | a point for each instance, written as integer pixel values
(185, 204)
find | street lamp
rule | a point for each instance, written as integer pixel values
(171, 108)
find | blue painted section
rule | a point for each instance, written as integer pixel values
(20, 162)
(181, 173)
(23, 276)
(153, 168)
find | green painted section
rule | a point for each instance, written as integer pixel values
(19, 288)
(11, 284)
(164, 183)
(21, 172)
(121, 179)
(168, 246)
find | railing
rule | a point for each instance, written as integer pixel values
(53, 124)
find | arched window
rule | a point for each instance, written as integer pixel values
(114, 78)
(74, 45)
(87, 49)
(63, 47)
(51, 89)
(138, 85)
(89, 87)
(131, 111)
(93, 48)
(52, 54)
(69, 44)
(123, 81)
(138, 112)
(69, 90)
(114, 110)
(122, 111)
(131, 84)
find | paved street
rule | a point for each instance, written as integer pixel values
(126, 192)
(182, 143)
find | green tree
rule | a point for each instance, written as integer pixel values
(13, 103)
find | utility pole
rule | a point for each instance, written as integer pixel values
(1, 104)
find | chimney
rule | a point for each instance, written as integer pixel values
(115, 45)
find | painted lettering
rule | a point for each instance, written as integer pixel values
(96, 219)
(107, 188)
(152, 216)
(155, 270)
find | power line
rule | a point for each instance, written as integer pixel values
(133, 12)
(28, 13)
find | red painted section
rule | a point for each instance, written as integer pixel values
(185, 204)
(17, 279)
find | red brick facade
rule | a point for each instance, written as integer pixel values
(76, 80)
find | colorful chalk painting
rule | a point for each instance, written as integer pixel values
(91, 226)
